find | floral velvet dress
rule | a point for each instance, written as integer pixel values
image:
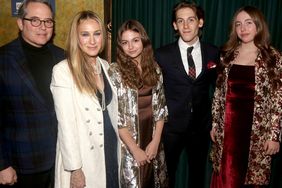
(246, 113)
(237, 129)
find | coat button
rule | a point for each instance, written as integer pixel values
(92, 147)
(98, 109)
(88, 121)
(87, 109)
(101, 145)
(101, 134)
(99, 122)
(90, 133)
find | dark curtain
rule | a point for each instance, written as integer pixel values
(219, 13)
(155, 15)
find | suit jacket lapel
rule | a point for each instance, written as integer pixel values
(178, 61)
(25, 75)
(204, 60)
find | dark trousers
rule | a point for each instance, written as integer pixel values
(197, 147)
(276, 170)
(38, 180)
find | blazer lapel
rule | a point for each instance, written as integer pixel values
(204, 60)
(177, 62)
(26, 77)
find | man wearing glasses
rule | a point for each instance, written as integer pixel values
(28, 125)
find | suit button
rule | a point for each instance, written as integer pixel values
(101, 145)
(92, 147)
(101, 134)
(90, 133)
(87, 109)
(99, 122)
(88, 121)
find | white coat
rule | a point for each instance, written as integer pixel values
(80, 129)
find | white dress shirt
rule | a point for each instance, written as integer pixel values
(196, 54)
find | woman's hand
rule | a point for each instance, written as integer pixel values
(152, 149)
(212, 134)
(153, 146)
(77, 179)
(271, 147)
(140, 156)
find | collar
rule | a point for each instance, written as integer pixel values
(183, 45)
(32, 48)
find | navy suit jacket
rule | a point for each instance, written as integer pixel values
(188, 100)
(28, 126)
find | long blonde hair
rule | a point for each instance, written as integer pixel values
(81, 69)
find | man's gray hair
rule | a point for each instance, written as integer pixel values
(22, 10)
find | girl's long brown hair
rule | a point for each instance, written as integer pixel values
(261, 41)
(129, 71)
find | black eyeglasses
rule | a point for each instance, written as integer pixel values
(36, 22)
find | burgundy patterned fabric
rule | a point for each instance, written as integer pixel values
(237, 130)
(192, 69)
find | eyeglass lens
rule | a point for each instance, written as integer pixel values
(36, 22)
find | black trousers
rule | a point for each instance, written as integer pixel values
(38, 180)
(197, 147)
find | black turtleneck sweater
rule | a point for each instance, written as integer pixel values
(40, 63)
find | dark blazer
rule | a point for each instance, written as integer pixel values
(28, 126)
(188, 100)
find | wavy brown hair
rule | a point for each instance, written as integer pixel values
(261, 41)
(78, 61)
(129, 71)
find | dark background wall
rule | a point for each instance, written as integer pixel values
(155, 15)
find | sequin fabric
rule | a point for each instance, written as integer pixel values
(128, 117)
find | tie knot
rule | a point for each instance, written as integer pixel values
(189, 49)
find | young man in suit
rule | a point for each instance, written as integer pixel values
(189, 76)
(28, 124)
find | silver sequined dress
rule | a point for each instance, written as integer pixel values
(128, 117)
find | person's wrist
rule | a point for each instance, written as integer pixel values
(134, 149)
(156, 139)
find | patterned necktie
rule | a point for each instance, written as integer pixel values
(192, 69)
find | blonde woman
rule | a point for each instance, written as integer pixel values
(86, 108)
